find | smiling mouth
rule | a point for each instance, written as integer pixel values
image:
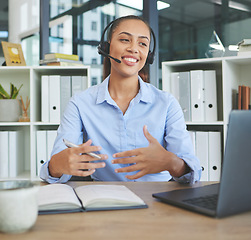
(133, 60)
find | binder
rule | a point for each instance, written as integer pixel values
(239, 97)
(197, 95)
(202, 153)
(41, 150)
(50, 139)
(245, 97)
(215, 153)
(13, 154)
(85, 82)
(54, 98)
(4, 154)
(174, 85)
(76, 84)
(210, 95)
(192, 135)
(185, 94)
(65, 92)
(45, 99)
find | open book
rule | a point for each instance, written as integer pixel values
(62, 198)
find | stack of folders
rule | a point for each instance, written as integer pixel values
(11, 154)
(207, 147)
(44, 144)
(197, 94)
(56, 92)
(243, 97)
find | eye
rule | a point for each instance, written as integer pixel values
(124, 40)
(143, 44)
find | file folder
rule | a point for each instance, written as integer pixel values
(214, 160)
(184, 94)
(210, 95)
(45, 117)
(197, 95)
(54, 98)
(41, 149)
(174, 85)
(202, 153)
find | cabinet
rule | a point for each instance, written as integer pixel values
(30, 77)
(230, 73)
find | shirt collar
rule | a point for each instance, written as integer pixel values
(144, 94)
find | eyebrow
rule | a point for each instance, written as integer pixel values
(129, 34)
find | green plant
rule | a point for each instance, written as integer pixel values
(13, 92)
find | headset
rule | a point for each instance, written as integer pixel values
(104, 46)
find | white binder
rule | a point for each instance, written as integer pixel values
(85, 82)
(41, 149)
(45, 117)
(202, 153)
(197, 95)
(65, 92)
(54, 98)
(185, 94)
(214, 161)
(4, 154)
(76, 84)
(50, 139)
(174, 85)
(210, 95)
(192, 135)
(14, 158)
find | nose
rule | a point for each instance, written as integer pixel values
(133, 47)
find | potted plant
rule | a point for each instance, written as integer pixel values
(9, 105)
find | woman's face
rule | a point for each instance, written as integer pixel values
(129, 43)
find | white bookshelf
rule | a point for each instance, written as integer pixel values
(30, 77)
(230, 73)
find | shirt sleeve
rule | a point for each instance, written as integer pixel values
(179, 142)
(45, 175)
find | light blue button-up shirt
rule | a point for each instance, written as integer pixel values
(93, 114)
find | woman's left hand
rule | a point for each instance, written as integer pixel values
(151, 159)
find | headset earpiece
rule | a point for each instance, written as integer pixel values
(150, 58)
(104, 46)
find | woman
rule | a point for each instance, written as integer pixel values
(138, 131)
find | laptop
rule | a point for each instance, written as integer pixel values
(232, 195)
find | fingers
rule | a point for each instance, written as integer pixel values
(124, 160)
(89, 168)
(132, 168)
(129, 153)
(86, 148)
(82, 173)
(88, 165)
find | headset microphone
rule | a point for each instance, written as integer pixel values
(100, 51)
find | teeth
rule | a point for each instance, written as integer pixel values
(131, 60)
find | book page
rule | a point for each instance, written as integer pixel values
(107, 196)
(57, 196)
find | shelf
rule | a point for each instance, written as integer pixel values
(230, 73)
(30, 77)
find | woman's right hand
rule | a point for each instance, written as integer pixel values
(73, 161)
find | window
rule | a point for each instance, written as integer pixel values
(94, 26)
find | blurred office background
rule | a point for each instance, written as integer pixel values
(185, 27)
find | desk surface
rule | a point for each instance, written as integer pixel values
(159, 221)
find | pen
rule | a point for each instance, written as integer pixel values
(70, 145)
